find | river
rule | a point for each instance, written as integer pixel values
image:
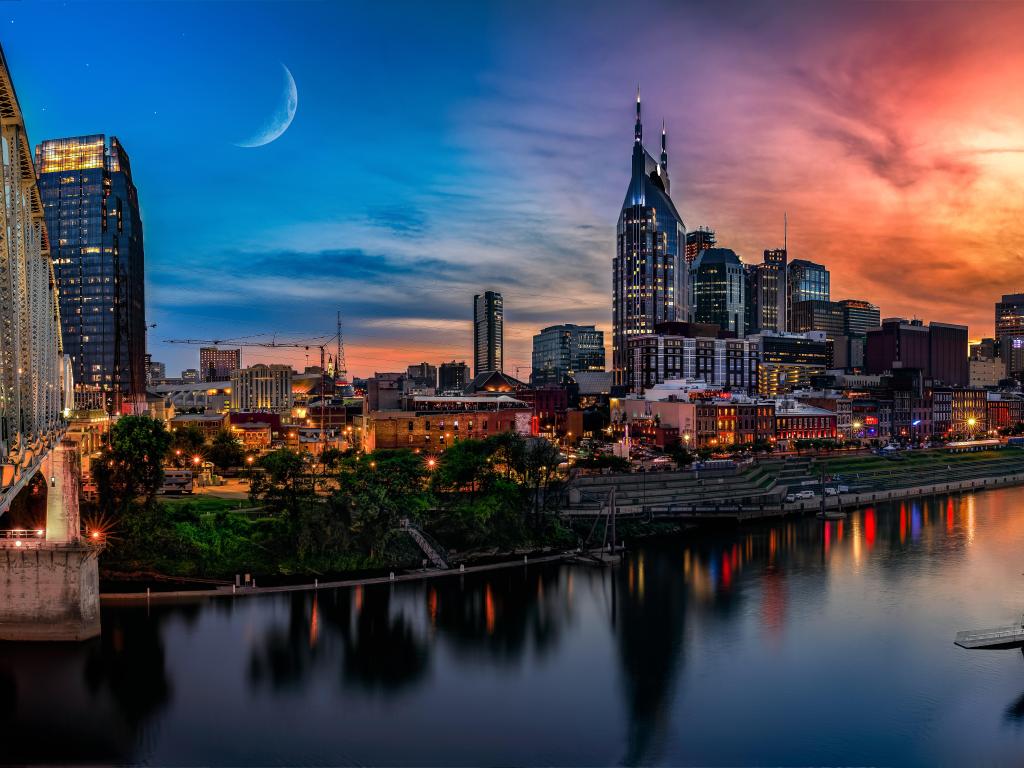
(787, 643)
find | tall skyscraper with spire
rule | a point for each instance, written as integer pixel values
(649, 281)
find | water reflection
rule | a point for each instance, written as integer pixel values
(639, 642)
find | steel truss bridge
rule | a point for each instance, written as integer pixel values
(31, 350)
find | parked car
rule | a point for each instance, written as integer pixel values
(805, 494)
(830, 491)
(790, 497)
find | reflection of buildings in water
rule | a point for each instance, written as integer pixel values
(649, 625)
(84, 703)
(380, 637)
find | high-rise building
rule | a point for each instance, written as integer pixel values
(772, 293)
(488, 332)
(563, 350)
(697, 241)
(819, 315)
(939, 350)
(718, 286)
(262, 387)
(191, 376)
(805, 281)
(859, 316)
(649, 279)
(422, 376)
(1010, 331)
(452, 377)
(155, 372)
(92, 215)
(695, 351)
(788, 361)
(216, 364)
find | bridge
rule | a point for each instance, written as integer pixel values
(48, 576)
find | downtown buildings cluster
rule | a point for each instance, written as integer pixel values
(691, 322)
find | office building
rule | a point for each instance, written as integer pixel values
(452, 377)
(695, 352)
(1010, 332)
(217, 364)
(262, 388)
(805, 281)
(191, 376)
(92, 215)
(859, 316)
(649, 280)
(788, 361)
(563, 350)
(697, 241)
(938, 350)
(421, 377)
(718, 286)
(769, 296)
(155, 372)
(488, 332)
(384, 391)
(817, 315)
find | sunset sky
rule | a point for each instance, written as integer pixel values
(439, 150)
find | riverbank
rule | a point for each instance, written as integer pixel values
(391, 578)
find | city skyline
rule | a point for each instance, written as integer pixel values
(905, 151)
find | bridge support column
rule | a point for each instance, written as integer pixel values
(49, 591)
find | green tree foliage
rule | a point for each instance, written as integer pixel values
(377, 491)
(187, 443)
(130, 466)
(284, 484)
(225, 450)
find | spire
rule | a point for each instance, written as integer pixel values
(638, 131)
(664, 147)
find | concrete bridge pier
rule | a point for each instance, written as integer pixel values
(49, 587)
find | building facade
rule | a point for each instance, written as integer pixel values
(805, 281)
(262, 388)
(92, 215)
(718, 288)
(788, 361)
(488, 332)
(452, 377)
(1010, 332)
(690, 351)
(939, 350)
(422, 376)
(769, 294)
(697, 241)
(564, 350)
(649, 279)
(217, 364)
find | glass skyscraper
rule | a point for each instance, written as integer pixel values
(92, 216)
(563, 350)
(807, 281)
(649, 278)
(488, 333)
(718, 283)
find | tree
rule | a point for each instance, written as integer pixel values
(225, 450)
(284, 483)
(131, 464)
(465, 465)
(681, 456)
(540, 463)
(377, 491)
(187, 443)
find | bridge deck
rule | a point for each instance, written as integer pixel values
(992, 639)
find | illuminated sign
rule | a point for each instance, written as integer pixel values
(871, 420)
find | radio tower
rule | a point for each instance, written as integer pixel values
(340, 368)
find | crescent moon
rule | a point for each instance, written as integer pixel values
(281, 119)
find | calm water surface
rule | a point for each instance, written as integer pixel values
(788, 644)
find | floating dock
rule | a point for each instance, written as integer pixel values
(996, 639)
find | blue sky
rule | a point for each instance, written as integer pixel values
(441, 149)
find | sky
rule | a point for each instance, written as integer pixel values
(442, 149)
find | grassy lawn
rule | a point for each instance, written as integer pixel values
(918, 460)
(205, 505)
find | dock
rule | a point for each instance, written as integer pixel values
(999, 638)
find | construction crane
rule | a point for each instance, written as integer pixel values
(324, 343)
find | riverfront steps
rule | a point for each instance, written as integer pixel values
(674, 500)
(48, 591)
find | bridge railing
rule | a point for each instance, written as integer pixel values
(22, 538)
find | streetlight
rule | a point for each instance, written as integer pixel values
(196, 460)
